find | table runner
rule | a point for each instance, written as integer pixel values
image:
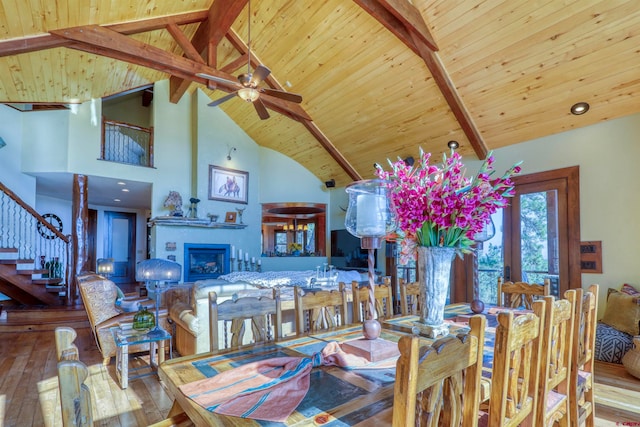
(270, 389)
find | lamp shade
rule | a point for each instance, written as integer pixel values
(158, 269)
(105, 265)
(369, 213)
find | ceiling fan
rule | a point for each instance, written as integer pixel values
(248, 82)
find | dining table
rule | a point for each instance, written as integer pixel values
(337, 396)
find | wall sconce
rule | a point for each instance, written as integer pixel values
(2, 143)
(231, 150)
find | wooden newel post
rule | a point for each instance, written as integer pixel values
(79, 234)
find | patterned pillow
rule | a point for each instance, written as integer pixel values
(629, 290)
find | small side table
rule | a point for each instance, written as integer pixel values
(124, 336)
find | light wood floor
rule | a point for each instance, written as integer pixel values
(29, 387)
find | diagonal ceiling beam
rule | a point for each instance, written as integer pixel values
(405, 22)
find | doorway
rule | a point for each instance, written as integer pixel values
(120, 244)
(537, 237)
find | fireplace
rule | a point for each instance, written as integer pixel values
(205, 261)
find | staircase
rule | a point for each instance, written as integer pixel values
(20, 281)
(24, 236)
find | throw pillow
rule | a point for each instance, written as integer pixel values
(622, 312)
(629, 290)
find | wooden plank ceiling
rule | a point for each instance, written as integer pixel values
(379, 78)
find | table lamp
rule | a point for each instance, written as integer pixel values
(369, 217)
(105, 266)
(158, 274)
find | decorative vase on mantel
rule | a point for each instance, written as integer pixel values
(434, 277)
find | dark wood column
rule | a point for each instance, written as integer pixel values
(79, 233)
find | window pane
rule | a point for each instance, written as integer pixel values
(491, 263)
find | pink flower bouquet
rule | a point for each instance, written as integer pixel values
(436, 205)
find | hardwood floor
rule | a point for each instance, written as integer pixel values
(29, 387)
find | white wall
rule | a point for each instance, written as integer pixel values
(11, 155)
(607, 155)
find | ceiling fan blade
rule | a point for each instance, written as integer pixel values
(216, 79)
(261, 109)
(221, 100)
(287, 96)
(259, 74)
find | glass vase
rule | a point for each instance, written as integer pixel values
(143, 320)
(434, 278)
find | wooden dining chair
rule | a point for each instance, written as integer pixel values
(556, 344)
(521, 294)
(581, 399)
(316, 310)
(65, 347)
(516, 365)
(409, 297)
(439, 384)
(233, 316)
(75, 397)
(383, 295)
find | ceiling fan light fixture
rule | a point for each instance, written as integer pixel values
(249, 94)
(579, 108)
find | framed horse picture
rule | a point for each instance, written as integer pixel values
(228, 185)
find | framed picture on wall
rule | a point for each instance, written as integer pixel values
(228, 185)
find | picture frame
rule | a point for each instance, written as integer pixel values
(228, 185)
(230, 217)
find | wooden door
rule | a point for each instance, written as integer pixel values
(537, 237)
(120, 240)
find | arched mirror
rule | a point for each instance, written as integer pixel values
(294, 229)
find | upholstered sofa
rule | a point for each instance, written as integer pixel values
(618, 326)
(189, 310)
(99, 296)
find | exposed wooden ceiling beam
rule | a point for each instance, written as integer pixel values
(178, 86)
(48, 41)
(406, 13)
(185, 44)
(220, 16)
(105, 42)
(405, 22)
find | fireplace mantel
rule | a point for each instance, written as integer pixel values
(175, 221)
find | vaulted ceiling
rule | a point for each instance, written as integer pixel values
(379, 78)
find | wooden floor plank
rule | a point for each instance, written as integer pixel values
(28, 383)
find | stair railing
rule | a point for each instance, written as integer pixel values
(24, 229)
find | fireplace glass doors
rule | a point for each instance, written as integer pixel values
(205, 261)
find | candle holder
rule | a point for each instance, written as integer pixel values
(370, 218)
(232, 262)
(239, 264)
(259, 268)
(253, 265)
(246, 266)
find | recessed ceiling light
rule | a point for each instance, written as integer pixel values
(122, 183)
(579, 108)
(116, 200)
(126, 190)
